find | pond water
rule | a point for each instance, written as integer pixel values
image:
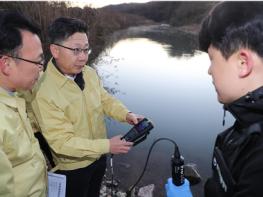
(176, 93)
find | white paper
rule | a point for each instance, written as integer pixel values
(56, 185)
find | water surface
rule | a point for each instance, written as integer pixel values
(176, 93)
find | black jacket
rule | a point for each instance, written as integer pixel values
(238, 153)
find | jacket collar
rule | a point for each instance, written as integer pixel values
(53, 71)
(248, 109)
(14, 102)
(7, 98)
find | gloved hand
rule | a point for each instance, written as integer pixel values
(178, 191)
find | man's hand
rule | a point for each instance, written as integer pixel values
(178, 191)
(132, 118)
(118, 146)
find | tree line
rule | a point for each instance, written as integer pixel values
(101, 23)
(104, 21)
(176, 13)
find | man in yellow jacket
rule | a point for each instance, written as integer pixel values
(70, 106)
(22, 165)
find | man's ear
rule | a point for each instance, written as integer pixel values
(4, 65)
(54, 50)
(245, 63)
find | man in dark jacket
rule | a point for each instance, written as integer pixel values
(232, 35)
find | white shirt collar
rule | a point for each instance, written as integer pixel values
(71, 77)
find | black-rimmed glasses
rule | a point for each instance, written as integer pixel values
(41, 63)
(76, 51)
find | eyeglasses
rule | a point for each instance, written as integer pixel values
(76, 51)
(41, 63)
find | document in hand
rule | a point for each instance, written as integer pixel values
(56, 185)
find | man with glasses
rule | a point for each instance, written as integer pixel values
(22, 165)
(70, 107)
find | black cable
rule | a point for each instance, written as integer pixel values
(146, 163)
(111, 166)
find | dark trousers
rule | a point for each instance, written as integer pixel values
(85, 182)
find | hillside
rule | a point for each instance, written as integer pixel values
(105, 21)
(176, 13)
(101, 23)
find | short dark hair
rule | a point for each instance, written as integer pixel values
(232, 25)
(63, 27)
(11, 24)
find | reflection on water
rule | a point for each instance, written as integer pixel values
(177, 42)
(176, 94)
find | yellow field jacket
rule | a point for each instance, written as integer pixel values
(29, 95)
(72, 120)
(22, 165)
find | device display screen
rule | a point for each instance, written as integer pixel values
(141, 126)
